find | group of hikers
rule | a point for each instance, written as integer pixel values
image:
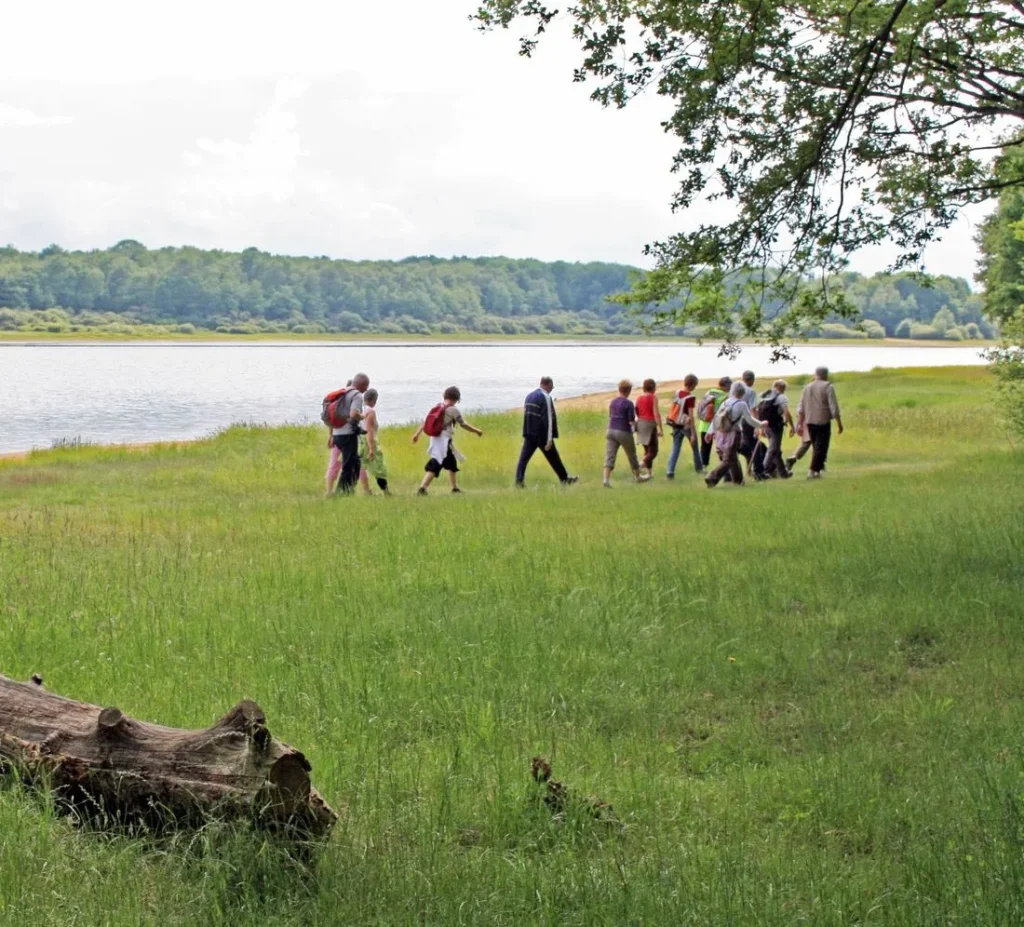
(732, 418)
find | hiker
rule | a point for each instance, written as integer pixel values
(748, 436)
(681, 419)
(439, 426)
(621, 422)
(818, 407)
(370, 454)
(345, 437)
(727, 435)
(706, 409)
(649, 426)
(774, 409)
(540, 428)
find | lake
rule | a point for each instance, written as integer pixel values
(120, 393)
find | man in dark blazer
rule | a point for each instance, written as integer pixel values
(540, 428)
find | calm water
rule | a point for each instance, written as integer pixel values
(111, 393)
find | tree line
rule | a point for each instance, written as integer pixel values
(189, 290)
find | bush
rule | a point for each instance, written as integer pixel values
(873, 329)
(953, 334)
(836, 330)
(903, 329)
(187, 329)
(924, 332)
(973, 332)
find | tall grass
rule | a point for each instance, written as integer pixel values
(803, 700)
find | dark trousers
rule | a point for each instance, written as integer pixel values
(730, 466)
(650, 452)
(748, 442)
(349, 447)
(773, 462)
(821, 437)
(530, 446)
(705, 449)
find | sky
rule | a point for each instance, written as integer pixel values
(361, 130)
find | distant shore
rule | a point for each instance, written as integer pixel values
(28, 339)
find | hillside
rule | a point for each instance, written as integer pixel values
(129, 288)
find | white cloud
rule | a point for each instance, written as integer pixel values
(364, 130)
(14, 117)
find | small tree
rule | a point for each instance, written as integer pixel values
(1001, 239)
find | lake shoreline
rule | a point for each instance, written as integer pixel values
(214, 339)
(592, 401)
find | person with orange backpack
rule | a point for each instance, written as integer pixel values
(682, 420)
(439, 426)
(341, 412)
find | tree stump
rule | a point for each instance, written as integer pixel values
(109, 766)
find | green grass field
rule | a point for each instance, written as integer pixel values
(804, 700)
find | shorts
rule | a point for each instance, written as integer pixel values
(377, 468)
(613, 441)
(449, 463)
(646, 428)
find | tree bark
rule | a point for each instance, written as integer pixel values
(113, 767)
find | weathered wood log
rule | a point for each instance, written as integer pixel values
(109, 765)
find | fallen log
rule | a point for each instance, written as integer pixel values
(109, 766)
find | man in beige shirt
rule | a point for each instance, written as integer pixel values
(818, 407)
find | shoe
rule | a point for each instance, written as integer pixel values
(520, 485)
(811, 475)
(710, 483)
(421, 491)
(790, 463)
(570, 481)
(670, 476)
(456, 489)
(606, 484)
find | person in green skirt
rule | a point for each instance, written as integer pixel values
(370, 454)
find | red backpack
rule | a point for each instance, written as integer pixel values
(433, 424)
(331, 414)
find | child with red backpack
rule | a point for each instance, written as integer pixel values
(439, 426)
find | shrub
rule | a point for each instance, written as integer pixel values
(903, 329)
(924, 332)
(836, 330)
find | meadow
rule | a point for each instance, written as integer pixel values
(804, 700)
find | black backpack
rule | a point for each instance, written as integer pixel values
(768, 410)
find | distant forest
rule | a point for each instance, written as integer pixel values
(130, 289)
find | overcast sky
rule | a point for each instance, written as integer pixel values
(353, 129)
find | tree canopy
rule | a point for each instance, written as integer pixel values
(191, 290)
(827, 125)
